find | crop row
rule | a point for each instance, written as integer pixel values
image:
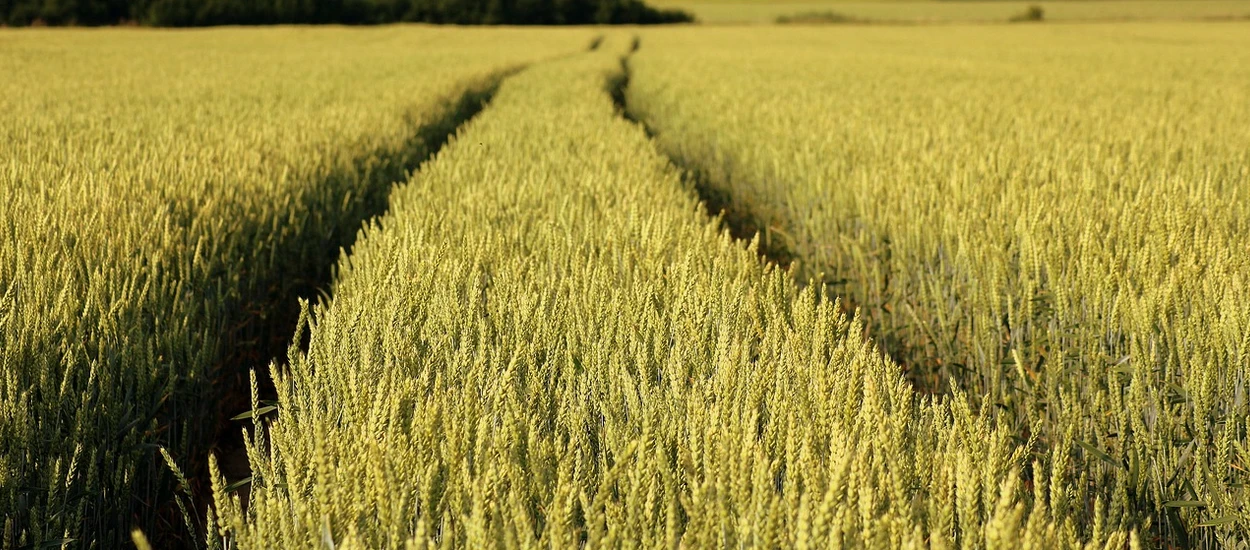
(1061, 233)
(547, 342)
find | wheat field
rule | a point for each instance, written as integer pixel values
(856, 286)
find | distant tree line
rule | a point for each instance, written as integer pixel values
(194, 13)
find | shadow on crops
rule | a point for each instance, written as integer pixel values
(736, 216)
(303, 250)
(745, 220)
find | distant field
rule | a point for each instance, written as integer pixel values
(748, 11)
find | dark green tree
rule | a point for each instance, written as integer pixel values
(183, 13)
